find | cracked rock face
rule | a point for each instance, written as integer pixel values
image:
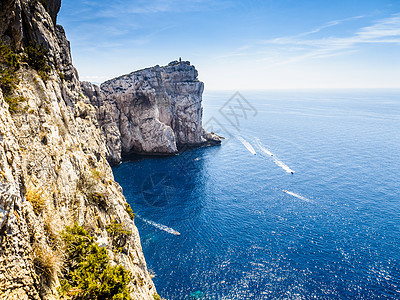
(53, 147)
(152, 111)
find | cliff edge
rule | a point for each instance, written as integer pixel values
(57, 191)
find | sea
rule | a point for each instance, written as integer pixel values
(301, 200)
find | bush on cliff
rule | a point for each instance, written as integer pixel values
(89, 274)
(36, 57)
(9, 65)
(119, 234)
(98, 199)
(129, 211)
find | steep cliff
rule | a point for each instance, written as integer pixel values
(53, 167)
(157, 110)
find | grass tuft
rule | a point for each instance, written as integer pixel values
(36, 198)
(47, 262)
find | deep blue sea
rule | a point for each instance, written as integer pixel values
(252, 230)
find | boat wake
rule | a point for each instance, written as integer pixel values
(247, 145)
(283, 166)
(161, 227)
(263, 149)
(298, 196)
(275, 159)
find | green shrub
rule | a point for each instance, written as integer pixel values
(37, 59)
(9, 58)
(88, 273)
(115, 229)
(119, 234)
(97, 199)
(9, 65)
(156, 297)
(14, 103)
(8, 81)
(129, 210)
(96, 174)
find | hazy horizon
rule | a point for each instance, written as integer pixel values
(241, 45)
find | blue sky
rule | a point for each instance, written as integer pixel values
(241, 45)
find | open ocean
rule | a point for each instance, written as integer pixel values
(252, 230)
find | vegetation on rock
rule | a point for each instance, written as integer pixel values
(35, 197)
(97, 199)
(129, 211)
(47, 262)
(156, 297)
(119, 234)
(36, 57)
(89, 274)
(9, 65)
(14, 104)
(96, 174)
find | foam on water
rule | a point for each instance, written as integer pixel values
(262, 148)
(161, 227)
(283, 166)
(298, 196)
(275, 159)
(247, 145)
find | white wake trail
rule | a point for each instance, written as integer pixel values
(275, 159)
(247, 145)
(298, 196)
(161, 227)
(262, 148)
(283, 166)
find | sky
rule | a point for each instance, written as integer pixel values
(240, 45)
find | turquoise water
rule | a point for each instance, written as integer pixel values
(334, 233)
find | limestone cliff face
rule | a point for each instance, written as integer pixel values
(33, 21)
(52, 147)
(157, 110)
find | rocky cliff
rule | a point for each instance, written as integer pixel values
(53, 166)
(157, 110)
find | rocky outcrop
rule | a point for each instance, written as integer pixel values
(157, 111)
(53, 166)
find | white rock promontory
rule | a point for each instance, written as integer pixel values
(156, 110)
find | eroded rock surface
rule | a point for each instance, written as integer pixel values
(52, 148)
(157, 110)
